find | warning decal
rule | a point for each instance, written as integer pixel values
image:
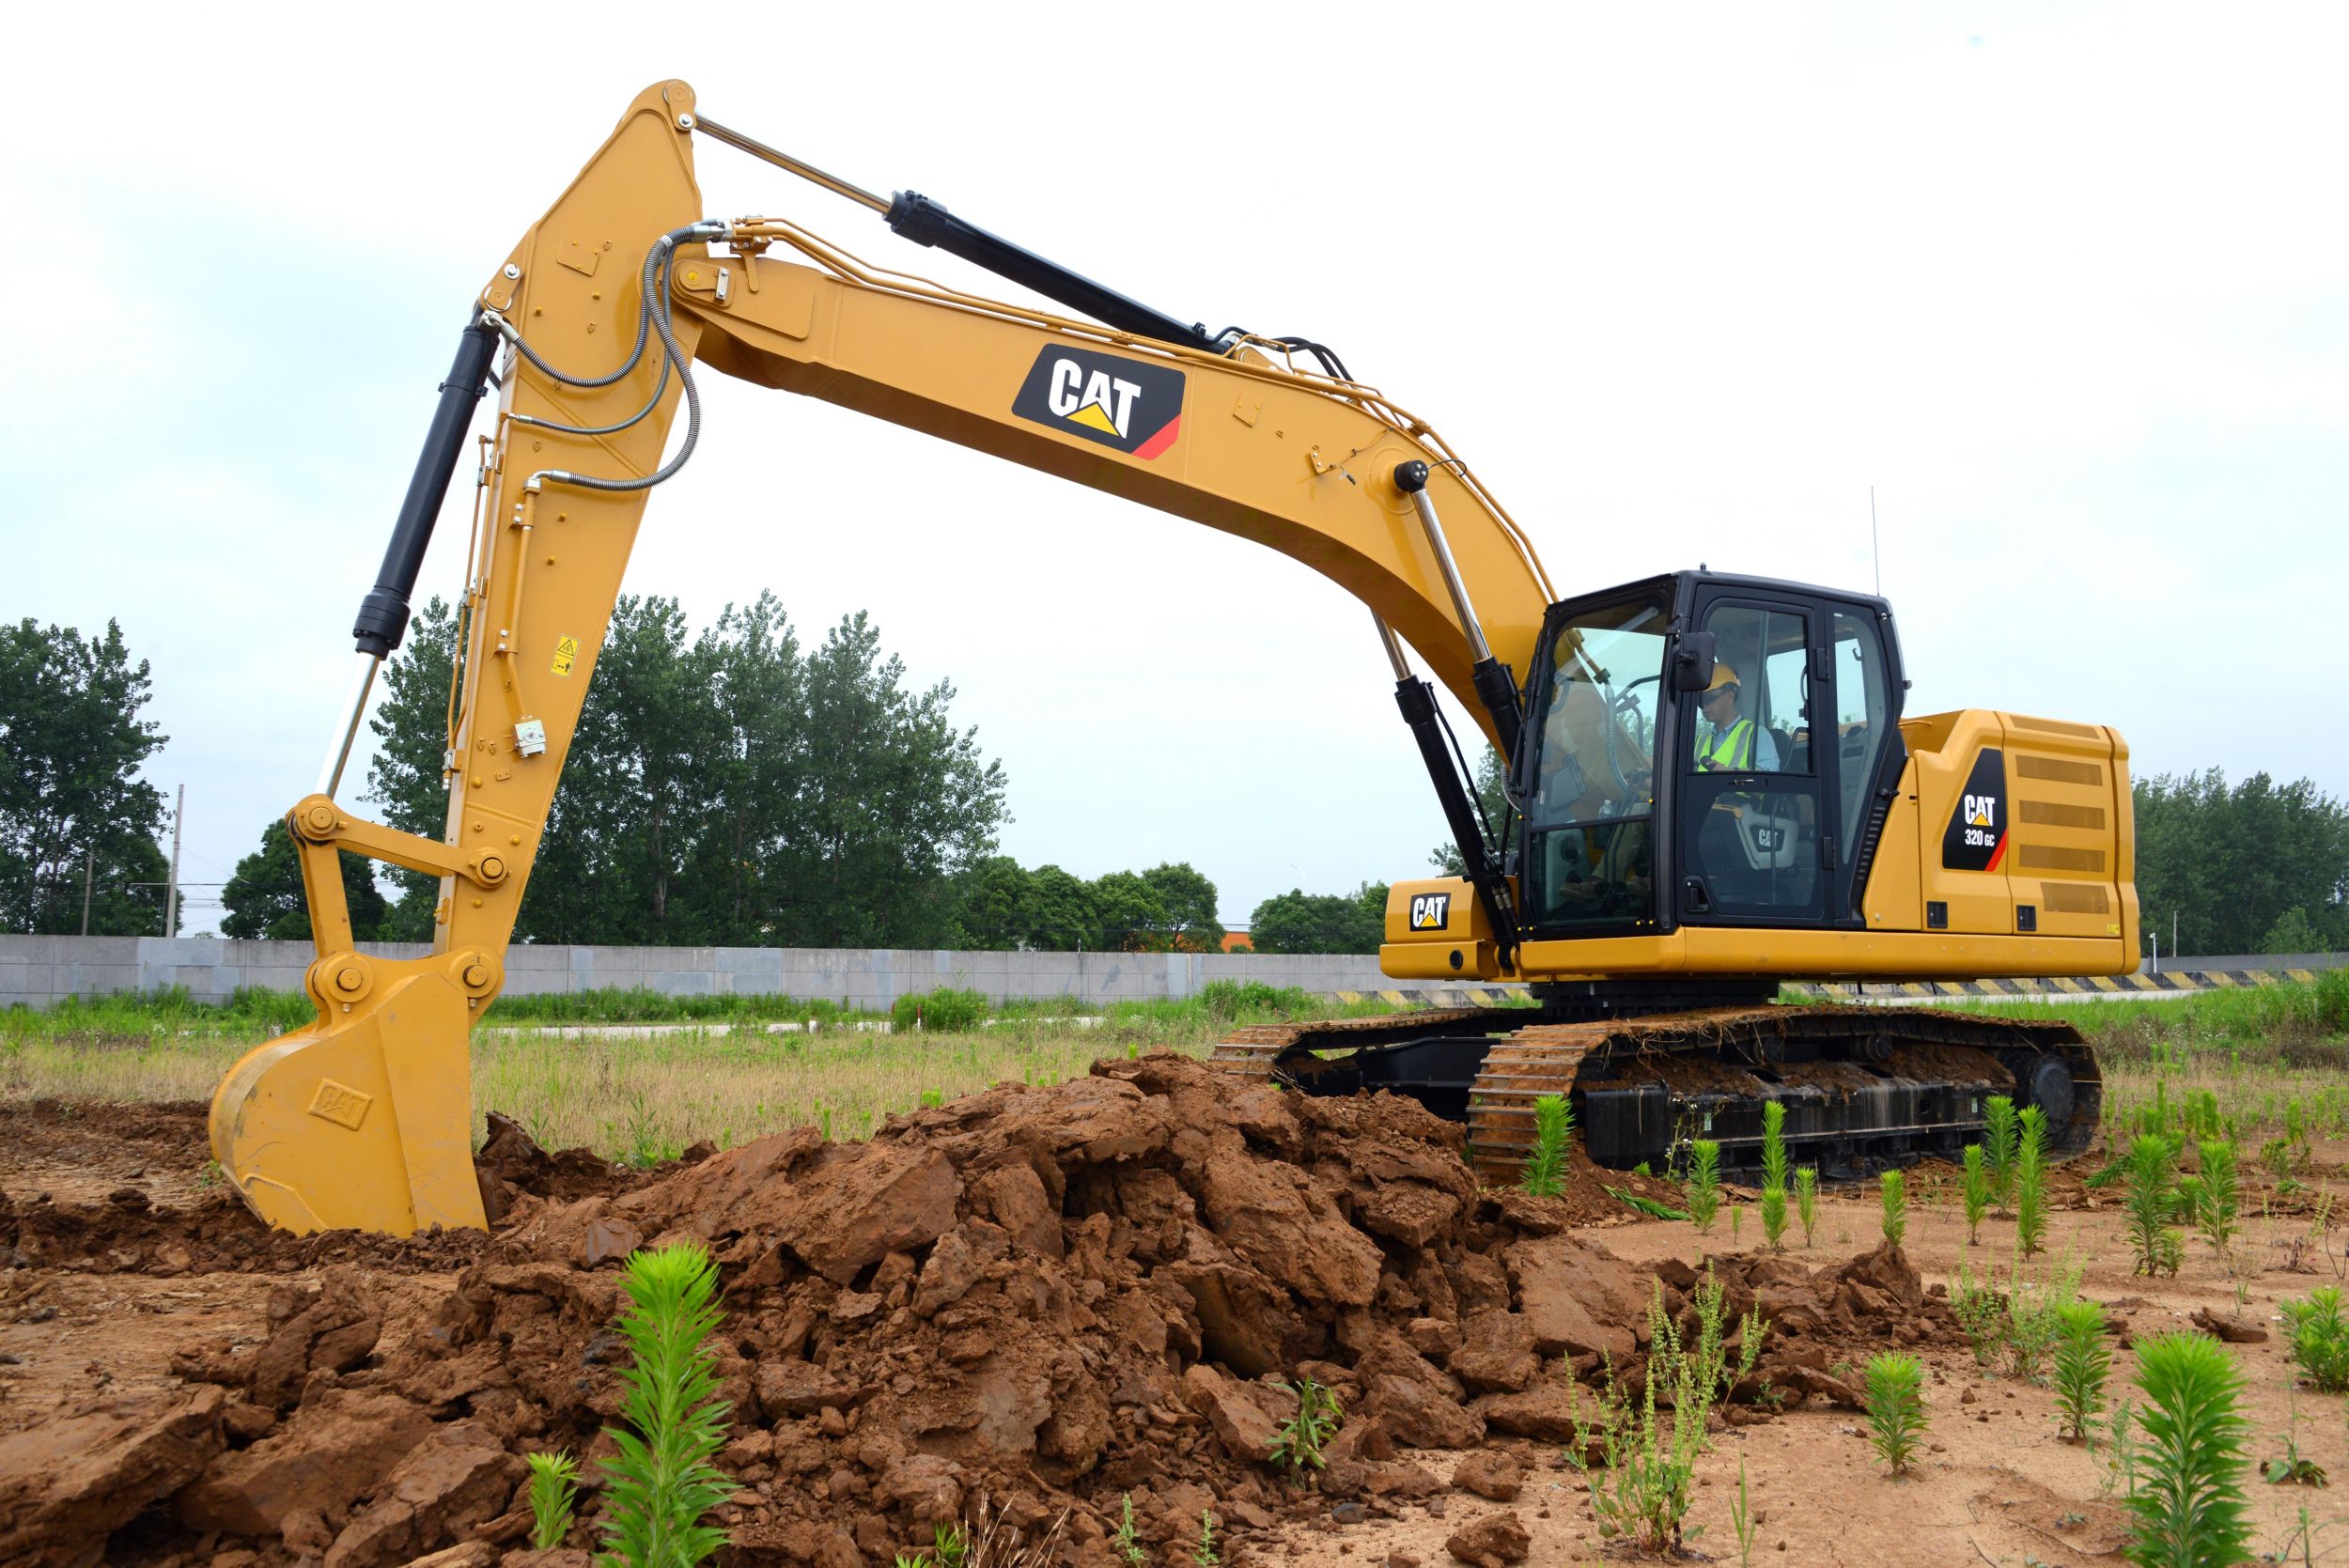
(565, 655)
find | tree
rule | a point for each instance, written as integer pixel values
(73, 810)
(264, 897)
(1299, 922)
(726, 788)
(995, 905)
(406, 778)
(1127, 914)
(638, 791)
(2229, 863)
(1061, 918)
(1493, 794)
(896, 801)
(2292, 933)
(1188, 899)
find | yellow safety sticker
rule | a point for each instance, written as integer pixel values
(566, 654)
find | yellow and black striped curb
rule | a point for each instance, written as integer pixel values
(1440, 996)
(2168, 981)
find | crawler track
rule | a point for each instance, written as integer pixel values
(1865, 1088)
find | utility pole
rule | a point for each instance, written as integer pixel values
(171, 894)
(88, 856)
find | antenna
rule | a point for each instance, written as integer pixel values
(1875, 555)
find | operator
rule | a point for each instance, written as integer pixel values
(1732, 744)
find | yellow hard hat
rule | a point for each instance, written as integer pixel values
(1722, 676)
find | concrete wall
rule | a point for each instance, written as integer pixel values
(37, 971)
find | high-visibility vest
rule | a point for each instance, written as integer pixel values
(1732, 750)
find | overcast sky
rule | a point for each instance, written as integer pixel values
(2068, 286)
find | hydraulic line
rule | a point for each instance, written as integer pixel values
(656, 315)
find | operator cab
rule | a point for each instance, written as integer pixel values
(1705, 750)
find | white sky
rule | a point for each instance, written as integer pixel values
(2069, 286)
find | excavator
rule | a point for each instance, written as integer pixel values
(1711, 788)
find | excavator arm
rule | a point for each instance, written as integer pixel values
(604, 312)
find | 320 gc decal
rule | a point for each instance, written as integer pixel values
(1976, 836)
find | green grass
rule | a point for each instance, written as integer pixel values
(718, 1074)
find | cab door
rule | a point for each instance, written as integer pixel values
(1753, 810)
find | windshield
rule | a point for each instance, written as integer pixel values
(1598, 715)
(1591, 863)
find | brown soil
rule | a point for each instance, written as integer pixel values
(1044, 1299)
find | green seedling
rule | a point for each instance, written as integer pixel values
(2031, 1198)
(1773, 1175)
(2317, 1338)
(2150, 1198)
(554, 1489)
(662, 1485)
(1807, 1200)
(2219, 1199)
(1895, 1207)
(2188, 1498)
(1896, 1408)
(1999, 1132)
(1545, 1175)
(2082, 1362)
(1203, 1554)
(1705, 1182)
(1976, 1191)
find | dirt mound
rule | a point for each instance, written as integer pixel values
(1046, 1298)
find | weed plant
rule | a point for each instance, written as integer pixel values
(1774, 1173)
(2150, 1199)
(1980, 1311)
(1705, 1182)
(2082, 1363)
(1895, 1207)
(2033, 1321)
(946, 1010)
(1975, 1191)
(1297, 1446)
(1999, 1133)
(1807, 1200)
(1741, 1518)
(2317, 1337)
(1896, 1408)
(1650, 1463)
(553, 1490)
(1203, 1555)
(1545, 1175)
(2030, 1197)
(2187, 1501)
(1122, 1540)
(2217, 1198)
(662, 1485)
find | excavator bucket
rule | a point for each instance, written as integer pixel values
(362, 1121)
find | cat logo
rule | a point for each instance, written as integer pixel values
(1133, 406)
(1430, 912)
(1974, 840)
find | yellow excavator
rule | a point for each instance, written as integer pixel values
(1711, 786)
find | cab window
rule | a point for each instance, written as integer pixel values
(1589, 800)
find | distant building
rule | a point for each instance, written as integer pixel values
(1235, 940)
